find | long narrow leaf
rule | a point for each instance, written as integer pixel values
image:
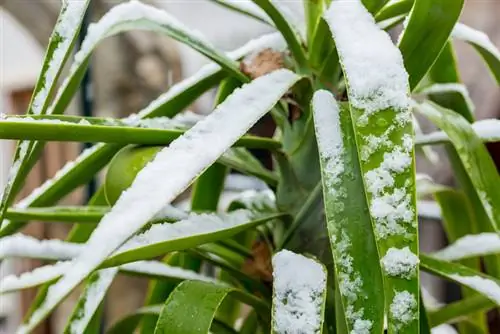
(470, 246)
(483, 284)
(426, 33)
(151, 191)
(349, 223)
(248, 8)
(299, 294)
(378, 96)
(474, 156)
(60, 47)
(482, 44)
(69, 214)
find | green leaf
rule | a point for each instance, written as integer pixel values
(428, 29)
(128, 324)
(354, 249)
(169, 104)
(64, 214)
(457, 311)
(473, 154)
(299, 294)
(313, 10)
(179, 316)
(164, 238)
(482, 43)
(147, 195)
(240, 159)
(289, 32)
(394, 9)
(13, 128)
(462, 275)
(90, 301)
(248, 8)
(373, 6)
(377, 87)
(60, 47)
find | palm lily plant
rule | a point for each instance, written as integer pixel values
(330, 243)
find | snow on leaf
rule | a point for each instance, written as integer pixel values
(298, 293)
(35, 277)
(403, 309)
(400, 262)
(487, 287)
(479, 38)
(182, 161)
(470, 246)
(19, 245)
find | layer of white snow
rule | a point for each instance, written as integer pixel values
(403, 308)
(429, 209)
(485, 286)
(19, 245)
(488, 130)
(299, 285)
(35, 277)
(479, 38)
(471, 246)
(400, 262)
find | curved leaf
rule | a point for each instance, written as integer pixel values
(455, 312)
(481, 283)
(60, 47)
(394, 9)
(349, 223)
(299, 294)
(179, 316)
(427, 31)
(128, 324)
(476, 159)
(248, 8)
(482, 44)
(471, 245)
(183, 161)
(377, 87)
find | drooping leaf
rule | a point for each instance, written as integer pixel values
(349, 223)
(377, 87)
(183, 160)
(192, 305)
(426, 33)
(462, 275)
(482, 43)
(299, 294)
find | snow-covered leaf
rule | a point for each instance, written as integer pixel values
(471, 245)
(481, 283)
(348, 220)
(248, 8)
(299, 294)
(182, 161)
(378, 89)
(482, 44)
(488, 130)
(473, 154)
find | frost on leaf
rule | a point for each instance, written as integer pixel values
(400, 263)
(299, 288)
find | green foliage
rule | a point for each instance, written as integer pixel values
(341, 190)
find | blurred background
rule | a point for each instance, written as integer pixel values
(130, 70)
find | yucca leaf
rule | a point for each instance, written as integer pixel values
(355, 253)
(299, 294)
(460, 310)
(177, 313)
(482, 43)
(60, 47)
(487, 130)
(91, 299)
(462, 275)
(170, 103)
(147, 195)
(290, 33)
(185, 234)
(377, 87)
(373, 6)
(427, 31)
(48, 131)
(313, 10)
(127, 324)
(242, 160)
(248, 8)
(450, 91)
(473, 154)
(471, 245)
